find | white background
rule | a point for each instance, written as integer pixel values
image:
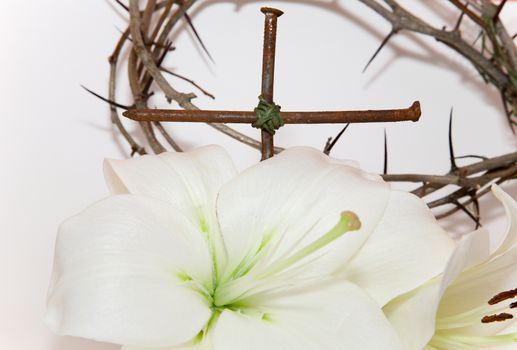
(54, 136)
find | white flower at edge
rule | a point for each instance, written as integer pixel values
(189, 254)
(453, 312)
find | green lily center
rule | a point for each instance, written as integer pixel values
(233, 291)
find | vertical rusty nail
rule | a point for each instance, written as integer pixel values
(268, 70)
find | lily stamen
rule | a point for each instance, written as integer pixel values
(503, 296)
(498, 298)
(497, 318)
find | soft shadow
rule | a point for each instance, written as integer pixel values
(468, 77)
(430, 56)
(444, 10)
(72, 343)
(121, 13)
(120, 142)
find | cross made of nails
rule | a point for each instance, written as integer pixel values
(267, 115)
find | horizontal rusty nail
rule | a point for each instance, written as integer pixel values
(325, 117)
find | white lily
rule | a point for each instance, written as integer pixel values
(470, 306)
(188, 254)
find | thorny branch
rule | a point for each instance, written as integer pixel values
(493, 54)
(490, 170)
(468, 183)
(148, 34)
(115, 119)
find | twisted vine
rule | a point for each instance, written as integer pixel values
(494, 55)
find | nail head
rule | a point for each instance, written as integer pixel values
(267, 10)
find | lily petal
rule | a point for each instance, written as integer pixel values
(291, 200)
(128, 271)
(413, 314)
(473, 275)
(480, 283)
(465, 301)
(406, 249)
(491, 272)
(510, 206)
(188, 180)
(328, 316)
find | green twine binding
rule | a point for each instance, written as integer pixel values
(268, 116)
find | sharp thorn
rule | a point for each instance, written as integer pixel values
(385, 167)
(331, 144)
(451, 146)
(198, 37)
(507, 112)
(113, 103)
(122, 5)
(458, 23)
(466, 211)
(477, 210)
(384, 42)
(499, 9)
(481, 33)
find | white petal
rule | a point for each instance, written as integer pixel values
(470, 279)
(290, 200)
(407, 249)
(488, 273)
(120, 274)
(414, 314)
(328, 316)
(510, 206)
(477, 285)
(188, 180)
